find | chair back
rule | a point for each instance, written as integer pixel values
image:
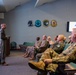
(13, 45)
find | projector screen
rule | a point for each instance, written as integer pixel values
(70, 26)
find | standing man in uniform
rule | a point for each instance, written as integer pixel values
(2, 44)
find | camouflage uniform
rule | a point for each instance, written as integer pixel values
(69, 55)
(57, 47)
(2, 46)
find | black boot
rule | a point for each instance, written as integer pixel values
(41, 73)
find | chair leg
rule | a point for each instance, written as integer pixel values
(55, 73)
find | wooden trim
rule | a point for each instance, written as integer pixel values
(69, 66)
(70, 70)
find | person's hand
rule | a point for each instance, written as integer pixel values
(37, 47)
(47, 61)
(60, 54)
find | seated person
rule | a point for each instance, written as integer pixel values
(58, 46)
(50, 59)
(50, 41)
(30, 49)
(43, 46)
(73, 35)
(73, 39)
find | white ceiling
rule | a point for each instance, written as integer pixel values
(1, 2)
(7, 5)
(41, 2)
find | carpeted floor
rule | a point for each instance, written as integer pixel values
(16, 53)
(17, 65)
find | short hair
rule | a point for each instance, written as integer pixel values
(62, 36)
(48, 37)
(3, 24)
(38, 38)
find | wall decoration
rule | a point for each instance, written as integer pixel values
(53, 23)
(30, 23)
(46, 23)
(37, 23)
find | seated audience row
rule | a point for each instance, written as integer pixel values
(58, 46)
(50, 58)
(39, 46)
